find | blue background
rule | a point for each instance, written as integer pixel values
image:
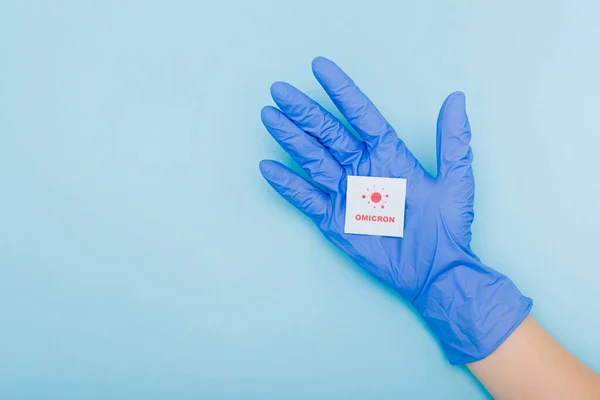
(143, 256)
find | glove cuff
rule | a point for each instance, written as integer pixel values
(472, 309)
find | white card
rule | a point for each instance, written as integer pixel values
(375, 206)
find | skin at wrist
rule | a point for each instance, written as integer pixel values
(530, 364)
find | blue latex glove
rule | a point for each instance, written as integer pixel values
(471, 308)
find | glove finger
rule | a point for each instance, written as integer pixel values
(300, 193)
(304, 149)
(353, 104)
(362, 114)
(318, 122)
(454, 155)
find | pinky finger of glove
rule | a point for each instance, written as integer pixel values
(302, 194)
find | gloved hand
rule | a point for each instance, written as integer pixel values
(470, 308)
